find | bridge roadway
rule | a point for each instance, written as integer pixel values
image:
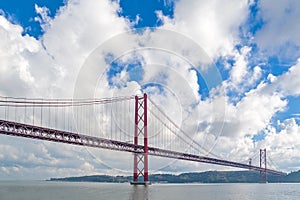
(41, 133)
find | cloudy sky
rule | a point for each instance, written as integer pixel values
(227, 71)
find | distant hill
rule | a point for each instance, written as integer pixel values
(293, 177)
(197, 177)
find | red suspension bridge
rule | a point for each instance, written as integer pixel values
(75, 121)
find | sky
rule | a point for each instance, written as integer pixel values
(231, 68)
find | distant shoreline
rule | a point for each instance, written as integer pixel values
(194, 177)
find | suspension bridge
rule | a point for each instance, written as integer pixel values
(132, 124)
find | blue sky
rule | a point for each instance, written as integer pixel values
(253, 44)
(23, 13)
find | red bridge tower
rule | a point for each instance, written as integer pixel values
(140, 163)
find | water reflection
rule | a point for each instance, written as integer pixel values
(139, 192)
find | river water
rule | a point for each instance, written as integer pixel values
(42, 190)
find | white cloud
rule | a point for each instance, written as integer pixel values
(242, 76)
(280, 33)
(287, 84)
(214, 25)
(44, 19)
(240, 68)
(16, 75)
(253, 114)
(284, 145)
(28, 66)
(76, 31)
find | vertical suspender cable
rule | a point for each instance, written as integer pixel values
(42, 113)
(5, 109)
(33, 106)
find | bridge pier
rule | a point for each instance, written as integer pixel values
(140, 183)
(140, 163)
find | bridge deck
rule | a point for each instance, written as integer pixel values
(42, 133)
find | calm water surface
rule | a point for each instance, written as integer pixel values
(97, 191)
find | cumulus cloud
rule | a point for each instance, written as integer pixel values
(16, 74)
(213, 24)
(281, 29)
(287, 84)
(169, 66)
(284, 145)
(253, 115)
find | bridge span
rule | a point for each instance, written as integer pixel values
(141, 152)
